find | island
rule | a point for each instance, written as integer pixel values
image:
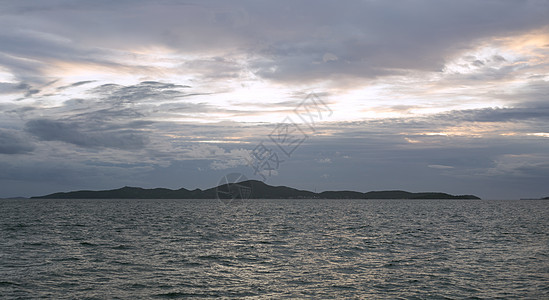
(546, 198)
(249, 189)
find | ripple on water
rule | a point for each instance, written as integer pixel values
(274, 249)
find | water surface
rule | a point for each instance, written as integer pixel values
(412, 249)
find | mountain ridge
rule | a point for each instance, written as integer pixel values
(257, 190)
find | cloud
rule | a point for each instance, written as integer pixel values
(11, 88)
(371, 43)
(440, 167)
(222, 158)
(531, 165)
(143, 91)
(28, 53)
(458, 86)
(288, 41)
(324, 161)
(12, 142)
(76, 84)
(501, 114)
(73, 133)
(227, 164)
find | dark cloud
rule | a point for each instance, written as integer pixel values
(499, 114)
(12, 142)
(73, 133)
(144, 91)
(534, 95)
(380, 38)
(75, 84)
(286, 41)
(25, 88)
(36, 176)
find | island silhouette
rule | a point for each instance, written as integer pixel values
(257, 190)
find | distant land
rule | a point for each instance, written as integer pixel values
(546, 198)
(256, 190)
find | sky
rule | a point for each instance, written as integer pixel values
(449, 96)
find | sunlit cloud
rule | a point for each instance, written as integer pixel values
(540, 134)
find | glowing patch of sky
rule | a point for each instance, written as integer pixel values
(248, 98)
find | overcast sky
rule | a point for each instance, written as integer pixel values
(448, 96)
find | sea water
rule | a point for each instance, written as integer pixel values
(318, 249)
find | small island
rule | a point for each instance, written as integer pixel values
(253, 189)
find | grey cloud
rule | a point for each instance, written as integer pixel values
(309, 67)
(99, 116)
(125, 126)
(401, 133)
(284, 40)
(115, 104)
(370, 152)
(144, 91)
(215, 68)
(20, 110)
(25, 88)
(73, 133)
(535, 95)
(12, 142)
(115, 116)
(7, 87)
(518, 114)
(478, 63)
(383, 37)
(75, 84)
(498, 58)
(22, 68)
(26, 53)
(36, 176)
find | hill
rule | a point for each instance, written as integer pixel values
(252, 188)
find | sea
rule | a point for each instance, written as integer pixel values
(274, 249)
